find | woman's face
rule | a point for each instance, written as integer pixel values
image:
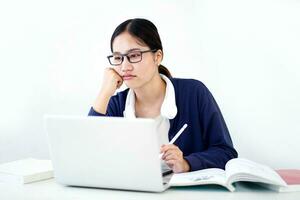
(135, 75)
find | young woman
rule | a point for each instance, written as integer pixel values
(152, 92)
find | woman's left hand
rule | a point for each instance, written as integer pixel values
(173, 157)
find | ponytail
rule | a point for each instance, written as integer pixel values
(163, 70)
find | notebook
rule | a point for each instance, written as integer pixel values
(106, 152)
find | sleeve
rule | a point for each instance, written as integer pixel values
(113, 109)
(216, 138)
(92, 112)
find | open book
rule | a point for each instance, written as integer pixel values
(238, 169)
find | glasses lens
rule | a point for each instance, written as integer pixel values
(135, 56)
(115, 59)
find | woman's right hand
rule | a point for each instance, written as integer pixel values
(110, 83)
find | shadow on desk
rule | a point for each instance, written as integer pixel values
(240, 187)
(199, 188)
(204, 188)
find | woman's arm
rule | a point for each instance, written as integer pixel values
(111, 81)
(219, 148)
(115, 106)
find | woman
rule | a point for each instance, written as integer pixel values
(152, 93)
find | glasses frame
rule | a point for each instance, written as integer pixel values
(126, 54)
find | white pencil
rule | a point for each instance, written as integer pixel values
(175, 137)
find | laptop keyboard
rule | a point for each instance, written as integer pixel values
(167, 178)
(165, 169)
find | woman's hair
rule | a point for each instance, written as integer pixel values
(146, 32)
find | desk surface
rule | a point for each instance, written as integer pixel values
(49, 189)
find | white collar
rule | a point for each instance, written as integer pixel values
(168, 107)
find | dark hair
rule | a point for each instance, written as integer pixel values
(146, 32)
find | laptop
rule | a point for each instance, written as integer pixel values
(106, 152)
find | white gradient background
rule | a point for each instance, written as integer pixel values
(52, 54)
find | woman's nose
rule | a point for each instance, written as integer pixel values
(126, 65)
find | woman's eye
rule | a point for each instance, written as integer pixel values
(134, 55)
(117, 57)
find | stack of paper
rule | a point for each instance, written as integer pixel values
(26, 171)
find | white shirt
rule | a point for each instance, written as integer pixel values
(168, 110)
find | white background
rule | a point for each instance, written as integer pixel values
(52, 54)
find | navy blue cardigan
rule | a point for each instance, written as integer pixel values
(206, 142)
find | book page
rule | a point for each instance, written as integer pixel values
(200, 177)
(240, 169)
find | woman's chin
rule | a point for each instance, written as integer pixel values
(131, 85)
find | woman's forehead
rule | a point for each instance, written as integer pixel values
(126, 42)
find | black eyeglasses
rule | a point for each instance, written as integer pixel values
(134, 56)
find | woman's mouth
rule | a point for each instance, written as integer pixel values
(128, 77)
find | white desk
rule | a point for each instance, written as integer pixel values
(49, 189)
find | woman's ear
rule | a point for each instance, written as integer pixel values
(158, 56)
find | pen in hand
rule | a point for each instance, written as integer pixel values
(175, 137)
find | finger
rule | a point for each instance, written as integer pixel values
(117, 73)
(110, 69)
(167, 149)
(171, 163)
(171, 157)
(113, 71)
(119, 83)
(168, 146)
(171, 152)
(116, 78)
(175, 166)
(164, 148)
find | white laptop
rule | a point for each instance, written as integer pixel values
(106, 152)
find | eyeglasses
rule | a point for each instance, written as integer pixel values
(134, 56)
